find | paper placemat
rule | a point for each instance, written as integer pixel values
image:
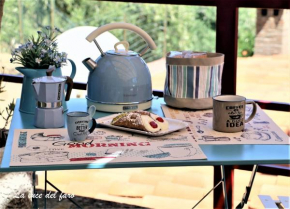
(260, 130)
(52, 146)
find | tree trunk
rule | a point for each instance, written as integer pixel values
(52, 3)
(1, 11)
(20, 18)
(165, 30)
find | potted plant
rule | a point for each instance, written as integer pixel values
(6, 116)
(40, 52)
(36, 55)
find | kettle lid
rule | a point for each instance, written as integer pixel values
(122, 52)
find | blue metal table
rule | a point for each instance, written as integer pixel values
(217, 155)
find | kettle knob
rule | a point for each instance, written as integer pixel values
(50, 70)
(49, 73)
(125, 44)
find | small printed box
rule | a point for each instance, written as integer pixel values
(192, 79)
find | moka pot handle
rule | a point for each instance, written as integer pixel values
(69, 83)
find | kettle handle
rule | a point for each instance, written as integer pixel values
(69, 83)
(121, 25)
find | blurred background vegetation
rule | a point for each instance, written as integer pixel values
(171, 27)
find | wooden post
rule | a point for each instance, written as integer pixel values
(226, 43)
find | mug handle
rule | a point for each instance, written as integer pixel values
(92, 111)
(93, 126)
(253, 112)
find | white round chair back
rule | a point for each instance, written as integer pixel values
(74, 43)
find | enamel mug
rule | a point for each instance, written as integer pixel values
(78, 124)
(229, 113)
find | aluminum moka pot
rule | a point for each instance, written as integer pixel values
(50, 89)
(49, 93)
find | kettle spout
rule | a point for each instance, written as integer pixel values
(36, 87)
(90, 64)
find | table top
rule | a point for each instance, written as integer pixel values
(216, 154)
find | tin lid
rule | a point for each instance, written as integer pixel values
(49, 79)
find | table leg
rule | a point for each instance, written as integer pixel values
(223, 196)
(221, 181)
(224, 186)
(34, 199)
(45, 189)
(248, 189)
(70, 199)
(216, 185)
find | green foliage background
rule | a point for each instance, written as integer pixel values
(171, 27)
(247, 31)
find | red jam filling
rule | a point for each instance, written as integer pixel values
(153, 124)
(160, 119)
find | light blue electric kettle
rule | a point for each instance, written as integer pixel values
(119, 80)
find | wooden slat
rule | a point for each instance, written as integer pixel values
(180, 2)
(12, 78)
(19, 79)
(267, 169)
(269, 105)
(277, 4)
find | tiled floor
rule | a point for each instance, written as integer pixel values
(83, 202)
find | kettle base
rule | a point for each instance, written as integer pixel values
(117, 108)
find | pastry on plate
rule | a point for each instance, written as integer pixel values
(140, 120)
(162, 122)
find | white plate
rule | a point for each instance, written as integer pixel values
(174, 125)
